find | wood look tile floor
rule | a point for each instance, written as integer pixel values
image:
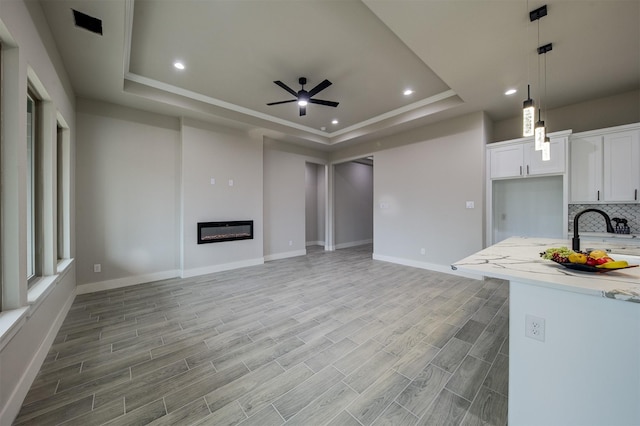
(330, 338)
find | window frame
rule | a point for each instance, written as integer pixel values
(34, 190)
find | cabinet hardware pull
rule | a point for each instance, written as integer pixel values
(520, 170)
(598, 195)
(635, 194)
(527, 170)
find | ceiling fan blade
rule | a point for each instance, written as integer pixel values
(287, 88)
(303, 111)
(281, 102)
(320, 87)
(321, 102)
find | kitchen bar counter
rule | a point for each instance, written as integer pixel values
(519, 258)
(580, 364)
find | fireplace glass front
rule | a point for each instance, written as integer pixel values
(216, 232)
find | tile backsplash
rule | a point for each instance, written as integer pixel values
(593, 222)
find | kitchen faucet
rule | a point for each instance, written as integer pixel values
(575, 243)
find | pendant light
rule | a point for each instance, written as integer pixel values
(527, 114)
(546, 142)
(546, 149)
(528, 108)
(539, 132)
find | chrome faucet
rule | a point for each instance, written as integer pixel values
(575, 243)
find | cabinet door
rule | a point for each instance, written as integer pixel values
(506, 161)
(621, 166)
(585, 169)
(533, 159)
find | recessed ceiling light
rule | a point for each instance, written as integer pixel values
(510, 92)
(334, 121)
(179, 65)
(407, 92)
(323, 128)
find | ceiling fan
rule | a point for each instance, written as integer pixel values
(303, 97)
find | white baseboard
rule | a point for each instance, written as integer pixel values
(314, 243)
(126, 282)
(285, 255)
(354, 244)
(14, 402)
(426, 265)
(187, 273)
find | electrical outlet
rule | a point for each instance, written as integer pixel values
(97, 267)
(423, 251)
(290, 242)
(534, 327)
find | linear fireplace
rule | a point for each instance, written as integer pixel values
(217, 232)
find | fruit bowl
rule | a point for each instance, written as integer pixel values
(594, 261)
(587, 268)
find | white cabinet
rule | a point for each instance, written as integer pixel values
(506, 161)
(621, 166)
(605, 165)
(520, 159)
(534, 165)
(585, 166)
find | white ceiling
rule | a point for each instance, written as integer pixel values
(458, 56)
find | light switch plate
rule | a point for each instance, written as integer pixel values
(213, 181)
(470, 205)
(230, 182)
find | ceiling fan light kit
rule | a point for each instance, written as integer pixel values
(303, 97)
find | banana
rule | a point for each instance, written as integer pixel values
(616, 264)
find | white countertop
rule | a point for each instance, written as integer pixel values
(518, 259)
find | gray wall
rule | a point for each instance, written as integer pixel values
(593, 114)
(420, 194)
(353, 195)
(28, 329)
(311, 203)
(315, 203)
(224, 155)
(285, 197)
(284, 206)
(128, 194)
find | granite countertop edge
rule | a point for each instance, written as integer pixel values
(518, 259)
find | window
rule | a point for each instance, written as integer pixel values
(31, 188)
(59, 194)
(33, 204)
(62, 167)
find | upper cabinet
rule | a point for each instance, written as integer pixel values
(585, 166)
(605, 165)
(621, 166)
(519, 158)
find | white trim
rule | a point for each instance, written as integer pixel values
(10, 322)
(187, 273)
(314, 243)
(127, 281)
(607, 130)
(353, 244)
(14, 401)
(393, 113)
(285, 255)
(45, 285)
(426, 265)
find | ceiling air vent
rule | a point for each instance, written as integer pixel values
(87, 22)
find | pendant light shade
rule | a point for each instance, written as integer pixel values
(540, 133)
(546, 149)
(527, 114)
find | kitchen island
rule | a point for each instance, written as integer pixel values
(582, 364)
